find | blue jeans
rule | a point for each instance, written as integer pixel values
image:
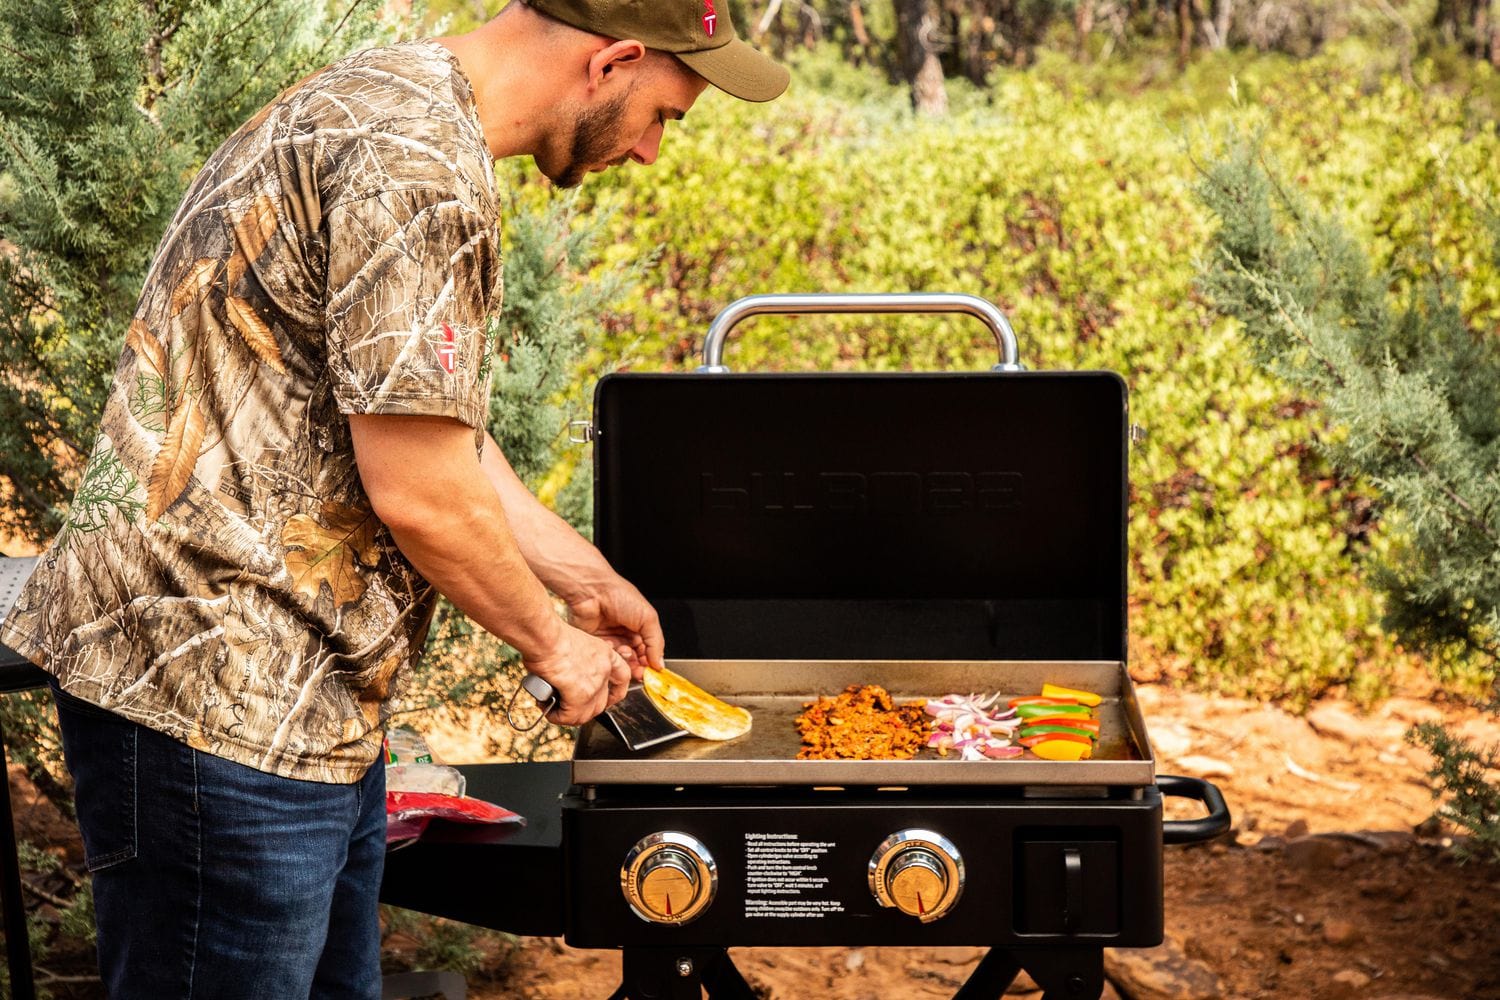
(215, 881)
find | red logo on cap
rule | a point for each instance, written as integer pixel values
(710, 19)
(448, 350)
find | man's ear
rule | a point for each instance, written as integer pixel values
(627, 54)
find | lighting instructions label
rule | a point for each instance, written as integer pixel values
(784, 877)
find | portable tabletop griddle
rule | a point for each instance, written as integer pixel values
(776, 691)
(932, 533)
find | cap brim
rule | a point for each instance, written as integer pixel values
(740, 71)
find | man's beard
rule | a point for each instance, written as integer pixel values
(596, 137)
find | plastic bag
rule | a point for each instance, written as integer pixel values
(410, 766)
(419, 788)
(407, 814)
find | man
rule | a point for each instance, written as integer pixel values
(293, 463)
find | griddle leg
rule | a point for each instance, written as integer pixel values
(680, 974)
(1066, 973)
(723, 980)
(991, 977)
(17, 943)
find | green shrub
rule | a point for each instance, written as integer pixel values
(444, 945)
(1460, 771)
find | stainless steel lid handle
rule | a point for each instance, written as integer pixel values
(859, 302)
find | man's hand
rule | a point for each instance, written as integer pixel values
(617, 613)
(588, 674)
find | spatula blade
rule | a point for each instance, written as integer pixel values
(634, 719)
(638, 722)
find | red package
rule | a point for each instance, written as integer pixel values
(408, 813)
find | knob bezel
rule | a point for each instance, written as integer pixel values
(706, 873)
(934, 844)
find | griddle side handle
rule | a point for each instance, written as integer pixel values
(846, 303)
(1194, 831)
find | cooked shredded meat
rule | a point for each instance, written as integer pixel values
(863, 723)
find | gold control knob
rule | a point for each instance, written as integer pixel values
(665, 877)
(916, 881)
(918, 872)
(668, 878)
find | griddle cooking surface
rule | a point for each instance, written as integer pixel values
(776, 691)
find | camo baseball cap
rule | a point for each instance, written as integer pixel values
(692, 30)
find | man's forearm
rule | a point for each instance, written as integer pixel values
(562, 558)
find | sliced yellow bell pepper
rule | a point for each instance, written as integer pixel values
(1082, 697)
(1062, 750)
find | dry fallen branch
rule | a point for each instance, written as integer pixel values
(45, 896)
(1301, 772)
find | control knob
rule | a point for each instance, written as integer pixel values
(918, 872)
(669, 878)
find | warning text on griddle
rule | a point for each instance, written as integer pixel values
(783, 877)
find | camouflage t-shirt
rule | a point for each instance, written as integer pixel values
(221, 576)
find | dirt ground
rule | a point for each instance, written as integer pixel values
(1334, 884)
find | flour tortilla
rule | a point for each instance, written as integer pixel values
(690, 707)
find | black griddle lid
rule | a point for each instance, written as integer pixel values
(870, 516)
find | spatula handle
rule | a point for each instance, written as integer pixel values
(544, 694)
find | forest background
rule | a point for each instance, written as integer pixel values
(1275, 218)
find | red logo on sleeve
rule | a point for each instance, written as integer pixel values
(448, 351)
(710, 19)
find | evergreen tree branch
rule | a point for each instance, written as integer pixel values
(1416, 392)
(106, 109)
(255, 12)
(260, 68)
(1472, 518)
(353, 6)
(1289, 323)
(23, 56)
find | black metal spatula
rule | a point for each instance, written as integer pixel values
(634, 719)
